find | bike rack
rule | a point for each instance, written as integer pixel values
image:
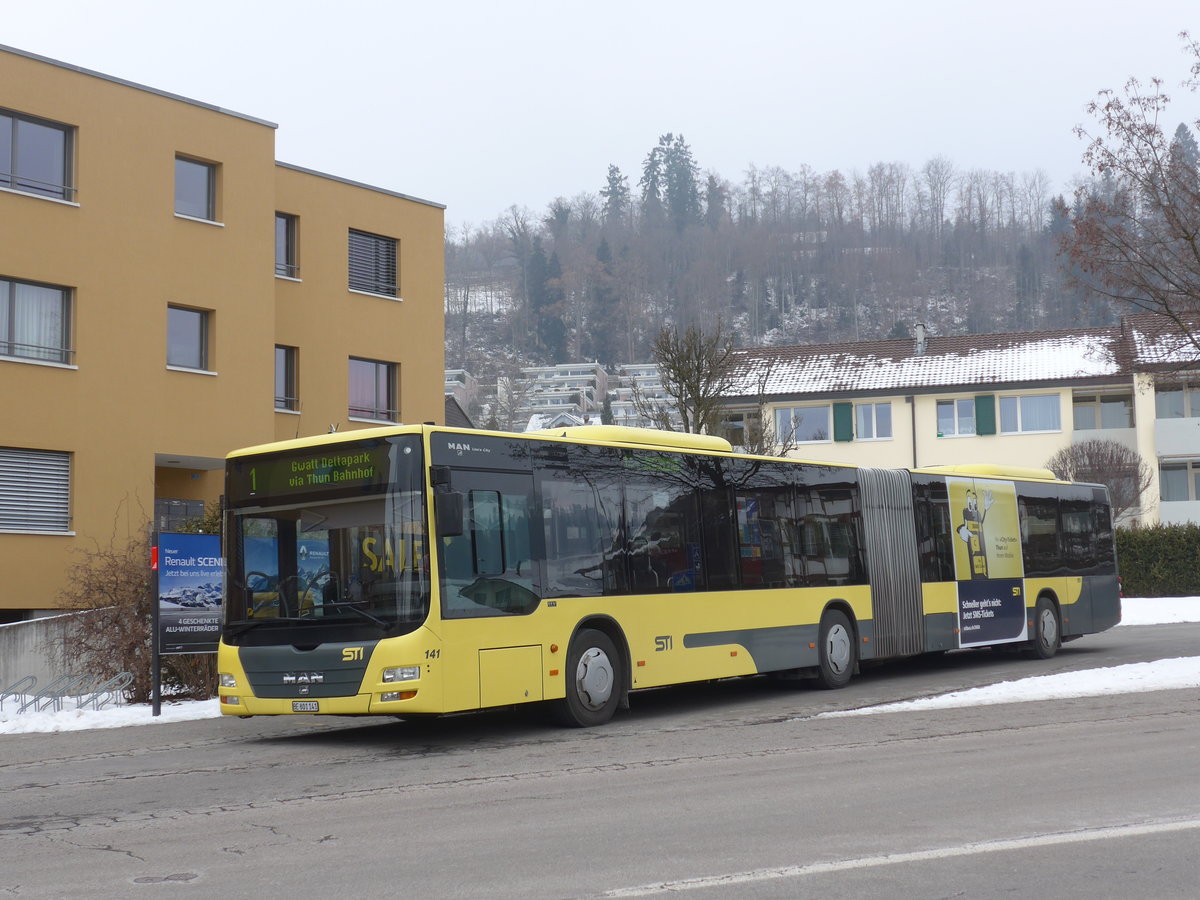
(88, 691)
(18, 689)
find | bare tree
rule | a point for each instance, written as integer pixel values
(512, 395)
(110, 585)
(1122, 470)
(1137, 239)
(696, 369)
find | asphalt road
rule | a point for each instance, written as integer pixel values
(734, 789)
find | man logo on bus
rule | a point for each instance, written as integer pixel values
(971, 531)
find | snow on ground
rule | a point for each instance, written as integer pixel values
(1161, 674)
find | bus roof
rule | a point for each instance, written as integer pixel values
(321, 440)
(992, 470)
(640, 437)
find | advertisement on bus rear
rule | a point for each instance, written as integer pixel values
(987, 561)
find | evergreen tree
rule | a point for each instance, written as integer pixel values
(715, 201)
(680, 177)
(606, 413)
(535, 286)
(550, 324)
(615, 194)
(1184, 146)
(602, 341)
(651, 184)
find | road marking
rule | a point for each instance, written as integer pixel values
(867, 862)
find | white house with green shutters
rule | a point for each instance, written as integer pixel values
(986, 398)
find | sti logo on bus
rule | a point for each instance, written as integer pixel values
(351, 654)
(662, 642)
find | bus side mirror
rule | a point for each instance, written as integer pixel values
(448, 509)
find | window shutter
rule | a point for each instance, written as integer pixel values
(843, 421)
(372, 263)
(985, 414)
(35, 490)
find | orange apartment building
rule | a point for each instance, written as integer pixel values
(170, 292)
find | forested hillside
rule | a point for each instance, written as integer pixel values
(781, 256)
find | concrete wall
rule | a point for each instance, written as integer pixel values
(25, 649)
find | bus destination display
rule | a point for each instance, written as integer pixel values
(341, 469)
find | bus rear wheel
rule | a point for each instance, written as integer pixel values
(837, 652)
(1047, 637)
(594, 681)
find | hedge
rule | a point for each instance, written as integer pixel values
(1160, 561)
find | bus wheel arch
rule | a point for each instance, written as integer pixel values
(837, 647)
(1045, 627)
(596, 673)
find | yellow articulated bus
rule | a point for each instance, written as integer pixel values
(416, 570)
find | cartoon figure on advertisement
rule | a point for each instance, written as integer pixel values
(971, 531)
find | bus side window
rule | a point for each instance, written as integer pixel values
(1106, 563)
(1078, 537)
(766, 542)
(832, 549)
(720, 546)
(931, 507)
(580, 541)
(1039, 535)
(662, 540)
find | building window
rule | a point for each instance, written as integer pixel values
(1093, 411)
(1179, 481)
(1038, 412)
(195, 189)
(35, 321)
(373, 390)
(286, 393)
(1177, 400)
(176, 515)
(285, 246)
(35, 490)
(802, 424)
(956, 418)
(373, 263)
(187, 338)
(873, 421)
(35, 156)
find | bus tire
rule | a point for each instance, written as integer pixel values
(594, 681)
(1047, 633)
(837, 651)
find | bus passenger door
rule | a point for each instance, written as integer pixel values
(489, 584)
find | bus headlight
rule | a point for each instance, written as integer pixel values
(401, 673)
(227, 680)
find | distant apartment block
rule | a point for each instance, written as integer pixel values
(170, 292)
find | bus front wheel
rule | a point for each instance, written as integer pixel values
(837, 651)
(593, 675)
(1047, 636)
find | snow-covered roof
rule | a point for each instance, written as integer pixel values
(1086, 354)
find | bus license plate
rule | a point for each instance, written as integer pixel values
(305, 706)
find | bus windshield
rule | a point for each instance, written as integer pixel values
(352, 563)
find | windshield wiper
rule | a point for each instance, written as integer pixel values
(352, 605)
(244, 626)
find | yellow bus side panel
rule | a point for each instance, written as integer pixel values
(940, 597)
(510, 675)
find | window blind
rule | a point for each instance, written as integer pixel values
(35, 490)
(372, 263)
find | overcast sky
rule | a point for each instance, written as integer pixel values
(481, 105)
